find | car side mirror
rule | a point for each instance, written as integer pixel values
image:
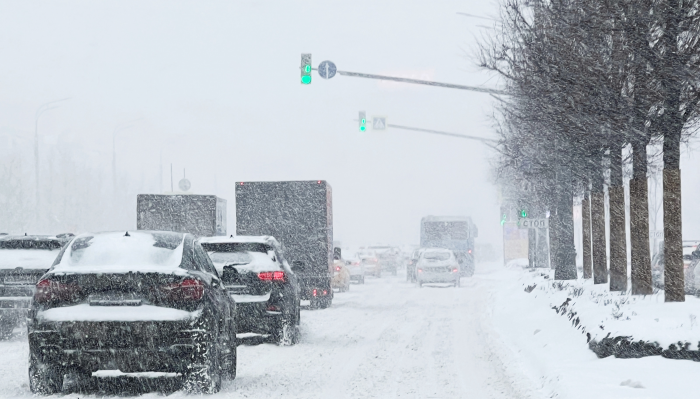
(230, 275)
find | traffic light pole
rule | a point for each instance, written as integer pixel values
(419, 82)
(463, 136)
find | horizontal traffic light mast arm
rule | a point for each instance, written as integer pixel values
(421, 82)
(464, 136)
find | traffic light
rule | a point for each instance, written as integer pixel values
(503, 219)
(306, 69)
(523, 213)
(363, 121)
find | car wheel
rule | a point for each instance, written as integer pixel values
(45, 378)
(314, 302)
(325, 302)
(285, 331)
(205, 377)
(420, 284)
(229, 357)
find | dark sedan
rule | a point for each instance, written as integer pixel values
(136, 302)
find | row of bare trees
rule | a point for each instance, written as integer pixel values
(584, 79)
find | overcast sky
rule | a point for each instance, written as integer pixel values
(214, 87)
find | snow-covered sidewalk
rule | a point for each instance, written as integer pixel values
(551, 347)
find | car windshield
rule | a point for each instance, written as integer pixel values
(436, 255)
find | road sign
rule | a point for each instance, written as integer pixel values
(184, 184)
(534, 223)
(326, 69)
(379, 123)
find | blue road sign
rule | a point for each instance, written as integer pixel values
(326, 69)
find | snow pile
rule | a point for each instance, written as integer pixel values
(618, 323)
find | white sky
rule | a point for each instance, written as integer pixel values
(214, 86)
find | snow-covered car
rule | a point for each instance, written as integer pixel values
(356, 269)
(258, 277)
(389, 258)
(437, 265)
(141, 301)
(341, 276)
(370, 262)
(23, 260)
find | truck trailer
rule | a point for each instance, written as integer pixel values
(200, 215)
(299, 214)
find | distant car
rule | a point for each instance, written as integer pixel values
(23, 260)
(258, 277)
(357, 269)
(437, 265)
(141, 301)
(341, 276)
(370, 262)
(389, 258)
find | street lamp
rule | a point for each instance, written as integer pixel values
(40, 111)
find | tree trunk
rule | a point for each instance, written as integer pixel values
(639, 222)
(674, 281)
(599, 247)
(618, 234)
(566, 262)
(553, 238)
(586, 233)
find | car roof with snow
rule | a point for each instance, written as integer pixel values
(270, 240)
(122, 252)
(35, 252)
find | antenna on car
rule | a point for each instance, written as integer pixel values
(127, 234)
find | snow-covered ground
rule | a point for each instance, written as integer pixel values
(388, 338)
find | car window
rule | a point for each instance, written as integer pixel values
(204, 260)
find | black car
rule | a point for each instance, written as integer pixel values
(260, 280)
(135, 302)
(23, 260)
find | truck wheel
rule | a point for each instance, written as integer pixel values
(45, 378)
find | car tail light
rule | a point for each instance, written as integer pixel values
(272, 276)
(273, 308)
(455, 270)
(420, 270)
(315, 292)
(470, 251)
(325, 292)
(50, 291)
(337, 268)
(189, 289)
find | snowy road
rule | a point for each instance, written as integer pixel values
(387, 338)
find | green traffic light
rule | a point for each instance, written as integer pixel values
(307, 68)
(306, 79)
(363, 128)
(523, 213)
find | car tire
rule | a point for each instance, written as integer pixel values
(420, 284)
(314, 302)
(326, 302)
(229, 357)
(45, 378)
(206, 378)
(284, 333)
